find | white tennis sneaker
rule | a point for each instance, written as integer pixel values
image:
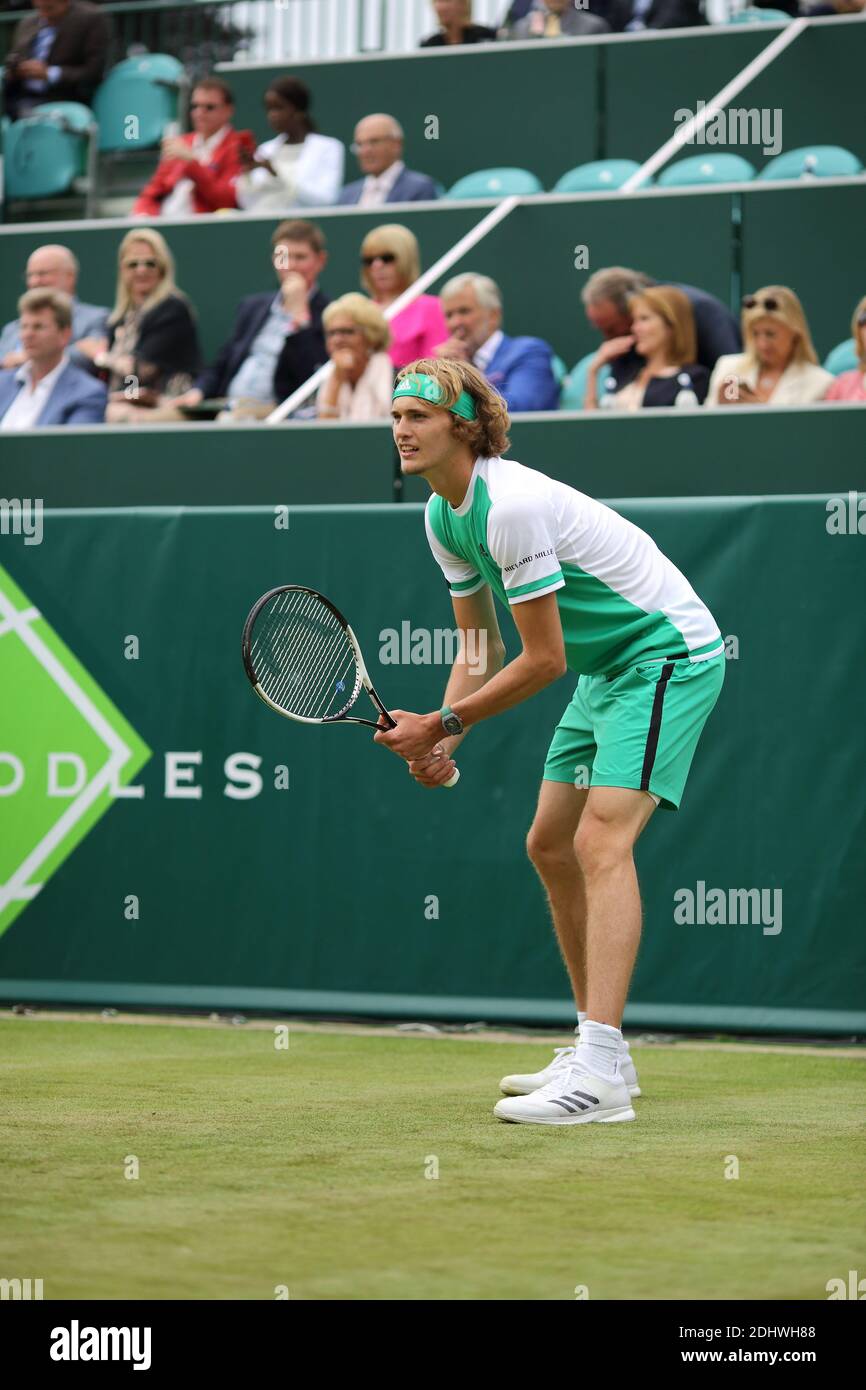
(572, 1097)
(523, 1084)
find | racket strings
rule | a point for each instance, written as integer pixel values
(303, 658)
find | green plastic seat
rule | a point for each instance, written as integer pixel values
(601, 174)
(704, 169)
(159, 67)
(68, 115)
(41, 160)
(132, 112)
(495, 183)
(757, 16)
(574, 386)
(842, 358)
(812, 161)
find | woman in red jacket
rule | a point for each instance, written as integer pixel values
(198, 172)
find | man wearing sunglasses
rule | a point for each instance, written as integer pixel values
(198, 172)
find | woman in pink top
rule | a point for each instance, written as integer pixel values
(851, 386)
(390, 263)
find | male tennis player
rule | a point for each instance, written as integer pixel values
(592, 593)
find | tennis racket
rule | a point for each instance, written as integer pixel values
(304, 661)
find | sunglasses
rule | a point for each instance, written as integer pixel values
(386, 257)
(141, 265)
(204, 106)
(750, 301)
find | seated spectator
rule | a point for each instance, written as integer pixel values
(152, 351)
(47, 389)
(298, 167)
(851, 386)
(277, 341)
(779, 365)
(198, 172)
(455, 25)
(558, 19)
(57, 54)
(362, 382)
(390, 263)
(606, 301)
(379, 148)
(631, 16)
(663, 333)
(55, 268)
(520, 368)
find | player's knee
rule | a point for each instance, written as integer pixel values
(548, 848)
(600, 844)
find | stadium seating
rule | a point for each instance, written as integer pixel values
(812, 161)
(759, 16)
(842, 358)
(137, 101)
(713, 168)
(495, 183)
(52, 154)
(574, 385)
(600, 175)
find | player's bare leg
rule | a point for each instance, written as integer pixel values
(550, 846)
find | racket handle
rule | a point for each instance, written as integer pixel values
(453, 779)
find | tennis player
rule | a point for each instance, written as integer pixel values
(591, 593)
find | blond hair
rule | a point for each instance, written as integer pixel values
(364, 314)
(857, 334)
(164, 259)
(788, 311)
(395, 238)
(57, 301)
(674, 308)
(487, 435)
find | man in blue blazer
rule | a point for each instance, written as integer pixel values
(56, 268)
(378, 147)
(521, 369)
(47, 389)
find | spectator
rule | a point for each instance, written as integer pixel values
(606, 301)
(455, 25)
(521, 369)
(55, 268)
(47, 389)
(555, 19)
(851, 386)
(663, 333)
(379, 148)
(390, 263)
(198, 172)
(277, 341)
(631, 16)
(779, 365)
(57, 54)
(152, 350)
(362, 382)
(298, 167)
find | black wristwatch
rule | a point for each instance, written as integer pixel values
(451, 722)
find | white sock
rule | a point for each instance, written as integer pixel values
(581, 1020)
(599, 1048)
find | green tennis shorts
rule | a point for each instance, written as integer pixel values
(638, 729)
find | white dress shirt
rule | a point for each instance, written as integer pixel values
(308, 174)
(487, 351)
(31, 400)
(179, 201)
(377, 187)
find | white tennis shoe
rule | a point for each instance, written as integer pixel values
(523, 1084)
(573, 1097)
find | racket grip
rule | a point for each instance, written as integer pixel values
(453, 779)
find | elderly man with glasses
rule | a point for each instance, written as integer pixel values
(378, 147)
(56, 268)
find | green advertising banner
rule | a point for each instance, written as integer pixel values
(167, 841)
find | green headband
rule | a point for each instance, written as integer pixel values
(426, 389)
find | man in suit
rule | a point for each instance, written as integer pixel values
(379, 149)
(58, 54)
(555, 19)
(630, 16)
(198, 171)
(605, 298)
(520, 369)
(47, 389)
(277, 341)
(55, 268)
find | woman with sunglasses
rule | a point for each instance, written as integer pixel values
(152, 351)
(390, 263)
(298, 167)
(851, 386)
(779, 365)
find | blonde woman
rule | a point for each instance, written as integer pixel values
(152, 349)
(390, 263)
(851, 386)
(455, 25)
(663, 332)
(779, 365)
(362, 382)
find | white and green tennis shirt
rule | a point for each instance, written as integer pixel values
(620, 599)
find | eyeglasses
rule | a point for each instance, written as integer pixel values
(386, 257)
(374, 140)
(750, 301)
(141, 265)
(204, 106)
(342, 332)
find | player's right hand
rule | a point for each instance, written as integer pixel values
(434, 769)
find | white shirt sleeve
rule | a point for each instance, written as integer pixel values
(319, 171)
(520, 534)
(463, 578)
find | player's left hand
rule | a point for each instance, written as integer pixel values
(415, 736)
